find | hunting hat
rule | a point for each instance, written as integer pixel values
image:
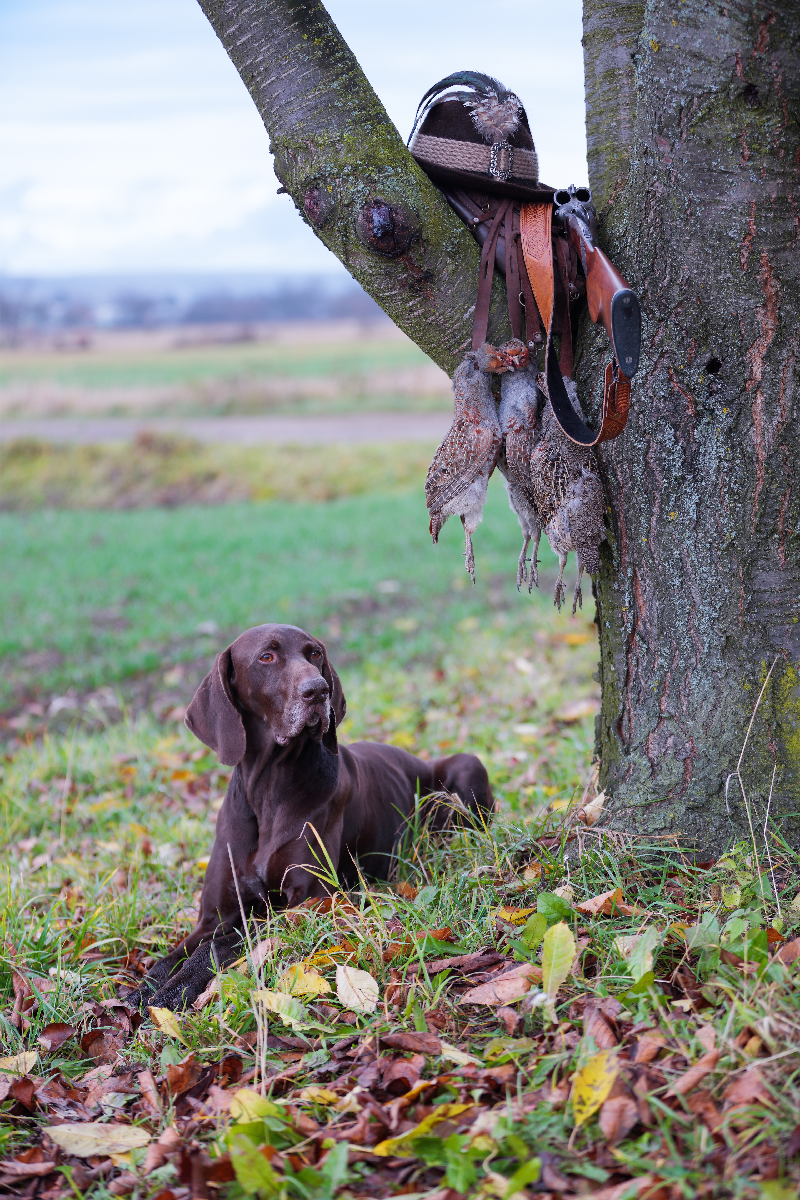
(470, 132)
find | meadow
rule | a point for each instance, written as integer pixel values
(552, 1013)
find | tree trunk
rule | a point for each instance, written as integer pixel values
(693, 161)
(693, 145)
(344, 164)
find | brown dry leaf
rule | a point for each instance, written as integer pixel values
(263, 951)
(648, 1046)
(425, 1043)
(56, 1034)
(707, 1036)
(511, 1019)
(149, 1090)
(102, 1045)
(596, 1025)
(91, 1137)
(601, 903)
(183, 1076)
(618, 1115)
(690, 1079)
(402, 1073)
(592, 811)
(168, 1142)
(532, 872)
(26, 1169)
(702, 1105)
(747, 1088)
(629, 1189)
(505, 989)
(406, 891)
(789, 952)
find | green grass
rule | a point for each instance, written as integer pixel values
(107, 807)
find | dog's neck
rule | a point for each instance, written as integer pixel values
(303, 769)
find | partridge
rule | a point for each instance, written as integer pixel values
(520, 404)
(459, 474)
(569, 499)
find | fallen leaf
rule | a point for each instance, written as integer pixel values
(263, 951)
(648, 1046)
(425, 1043)
(459, 1057)
(301, 980)
(26, 1169)
(207, 996)
(407, 891)
(601, 903)
(514, 916)
(590, 813)
(19, 1064)
(288, 1008)
(92, 1137)
(701, 1103)
(707, 1036)
(166, 1022)
(183, 1075)
(747, 1088)
(248, 1105)
(401, 1074)
(558, 952)
(592, 1083)
(618, 1115)
(169, 1140)
(56, 1034)
(628, 1189)
(149, 1090)
(318, 1095)
(596, 1026)
(532, 873)
(356, 989)
(397, 1145)
(504, 990)
(690, 1079)
(789, 952)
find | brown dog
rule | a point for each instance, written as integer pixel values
(269, 708)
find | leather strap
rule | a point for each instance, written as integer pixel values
(537, 249)
(480, 322)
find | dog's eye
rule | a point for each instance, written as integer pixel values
(316, 654)
(267, 657)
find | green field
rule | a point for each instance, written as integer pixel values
(648, 1044)
(306, 369)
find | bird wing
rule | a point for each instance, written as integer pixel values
(465, 452)
(520, 443)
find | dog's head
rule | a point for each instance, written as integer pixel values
(277, 674)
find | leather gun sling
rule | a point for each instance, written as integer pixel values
(537, 249)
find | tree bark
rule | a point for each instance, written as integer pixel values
(694, 162)
(694, 149)
(351, 178)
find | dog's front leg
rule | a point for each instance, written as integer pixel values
(302, 869)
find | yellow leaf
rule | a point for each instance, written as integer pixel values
(166, 1022)
(87, 1138)
(301, 980)
(18, 1064)
(396, 1145)
(318, 1095)
(514, 916)
(325, 958)
(558, 952)
(592, 1083)
(532, 872)
(356, 989)
(247, 1105)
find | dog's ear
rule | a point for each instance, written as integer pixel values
(337, 701)
(214, 718)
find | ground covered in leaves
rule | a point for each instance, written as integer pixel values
(525, 1010)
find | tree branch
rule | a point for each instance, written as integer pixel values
(350, 175)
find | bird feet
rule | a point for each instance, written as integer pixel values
(560, 594)
(469, 557)
(577, 599)
(533, 576)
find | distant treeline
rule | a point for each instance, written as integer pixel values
(28, 305)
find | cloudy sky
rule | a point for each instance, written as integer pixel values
(128, 142)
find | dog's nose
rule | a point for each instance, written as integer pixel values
(314, 688)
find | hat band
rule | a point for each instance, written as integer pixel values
(500, 161)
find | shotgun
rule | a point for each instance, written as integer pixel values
(610, 299)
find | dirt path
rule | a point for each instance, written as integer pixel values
(246, 431)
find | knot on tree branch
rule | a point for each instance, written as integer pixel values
(387, 228)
